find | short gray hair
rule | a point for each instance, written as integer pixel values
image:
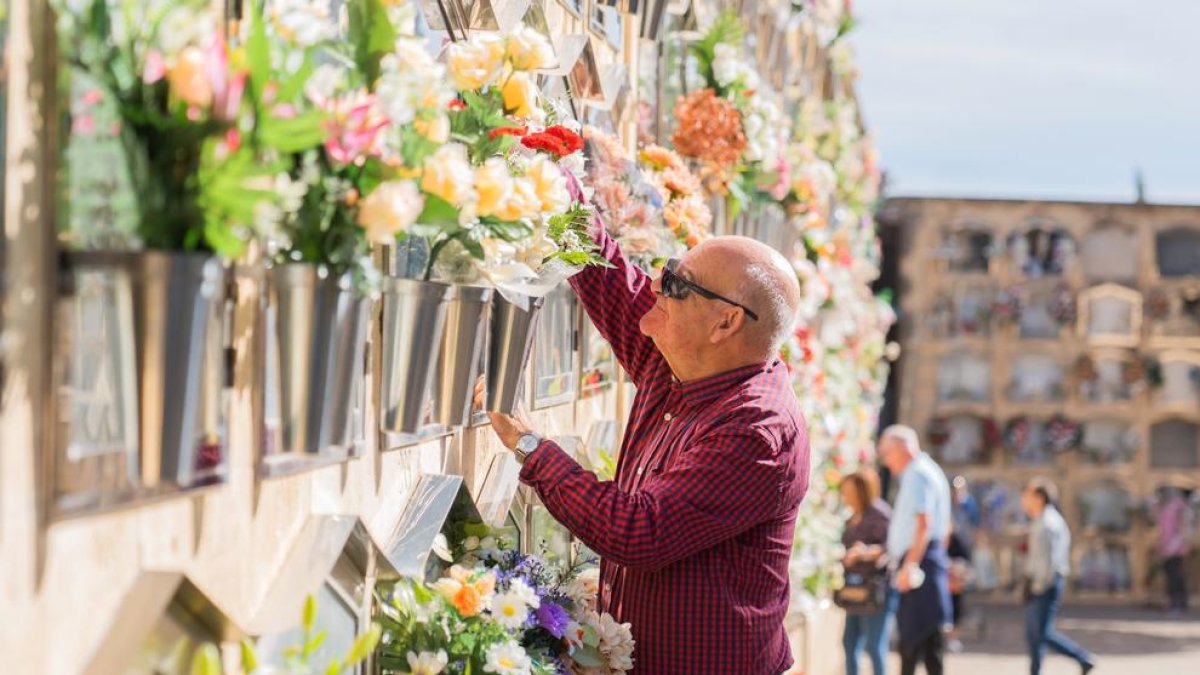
(761, 292)
(904, 435)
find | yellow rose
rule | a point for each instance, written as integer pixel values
(188, 79)
(522, 202)
(477, 62)
(494, 185)
(389, 210)
(529, 50)
(436, 128)
(520, 95)
(448, 174)
(550, 185)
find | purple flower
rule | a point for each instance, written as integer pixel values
(553, 619)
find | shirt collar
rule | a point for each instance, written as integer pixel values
(705, 389)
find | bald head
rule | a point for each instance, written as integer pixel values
(762, 279)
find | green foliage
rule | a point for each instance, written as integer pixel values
(372, 34)
(727, 29)
(472, 126)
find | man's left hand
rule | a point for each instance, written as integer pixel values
(904, 578)
(509, 428)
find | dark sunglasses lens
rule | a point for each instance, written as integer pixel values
(671, 285)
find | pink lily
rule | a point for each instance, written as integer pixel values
(355, 131)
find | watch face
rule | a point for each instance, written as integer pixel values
(527, 443)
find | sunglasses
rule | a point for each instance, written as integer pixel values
(678, 288)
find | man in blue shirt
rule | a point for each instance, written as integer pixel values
(916, 544)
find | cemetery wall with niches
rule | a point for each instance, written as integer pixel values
(1056, 339)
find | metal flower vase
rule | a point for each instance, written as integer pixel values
(319, 336)
(176, 297)
(414, 321)
(513, 329)
(461, 357)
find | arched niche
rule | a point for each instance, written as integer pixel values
(1109, 254)
(1175, 444)
(1035, 450)
(1109, 442)
(960, 440)
(972, 308)
(1180, 379)
(1036, 377)
(1039, 318)
(1105, 506)
(1177, 251)
(1110, 314)
(967, 248)
(1104, 567)
(1110, 375)
(964, 376)
(1041, 249)
(1172, 315)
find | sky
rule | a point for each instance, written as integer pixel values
(1051, 99)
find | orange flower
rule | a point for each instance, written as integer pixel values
(709, 128)
(467, 601)
(660, 158)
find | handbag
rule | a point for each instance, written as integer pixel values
(864, 594)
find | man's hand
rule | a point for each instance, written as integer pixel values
(508, 428)
(904, 578)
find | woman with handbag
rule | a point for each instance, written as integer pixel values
(866, 596)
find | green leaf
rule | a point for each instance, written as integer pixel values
(437, 212)
(373, 36)
(258, 54)
(364, 644)
(588, 657)
(309, 618)
(471, 244)
(334, 668)
(423, 595)
(292, 87)
(249, 657)
(315, 643)
(293, 135)
(206, 660)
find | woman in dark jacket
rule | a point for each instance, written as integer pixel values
(864, 537)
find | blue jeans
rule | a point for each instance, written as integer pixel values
(871, 629)
(1040, 632)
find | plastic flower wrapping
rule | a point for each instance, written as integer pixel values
(503, 612)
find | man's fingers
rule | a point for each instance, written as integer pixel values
(480, 391)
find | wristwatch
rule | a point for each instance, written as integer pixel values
(526, 444)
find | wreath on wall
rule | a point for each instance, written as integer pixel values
(1063, 434)
(1016, 433)
(1063, 306)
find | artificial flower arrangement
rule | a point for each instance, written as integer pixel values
(630, 207)
(500, 611)
(499, 200)
(732, 126)
(206, 660)
(684, 209)
(184, 119)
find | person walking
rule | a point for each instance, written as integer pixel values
(1047, 563)
(916, 543)
(1173, 545)
(864, 536)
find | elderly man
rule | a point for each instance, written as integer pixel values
(696, 531)
(916, 543)
(1047, 562)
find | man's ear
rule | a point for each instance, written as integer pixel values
(728, 324)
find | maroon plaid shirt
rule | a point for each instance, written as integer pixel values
(696, 532)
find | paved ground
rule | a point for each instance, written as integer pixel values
(1125, 641)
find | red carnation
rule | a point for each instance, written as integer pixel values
(546, 143)
(456, 104)
(570, 139)
(516, 132)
